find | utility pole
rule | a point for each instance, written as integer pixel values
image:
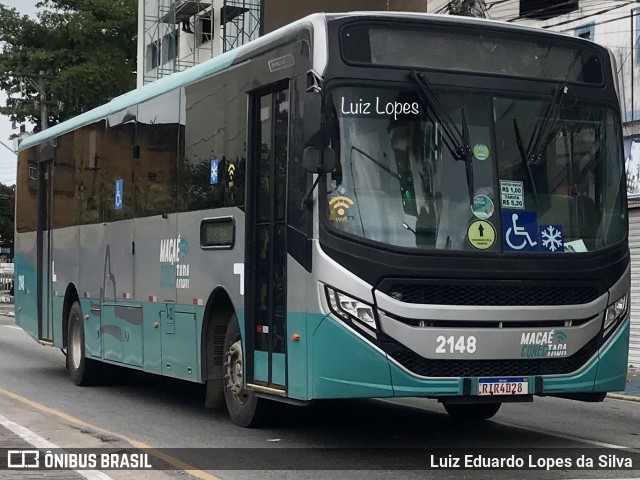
(40, 83)
(468, 8)
(44, 114)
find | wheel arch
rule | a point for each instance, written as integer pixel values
(70, 296)
(217, 313)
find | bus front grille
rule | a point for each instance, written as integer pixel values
(488, 293)
(492, 368)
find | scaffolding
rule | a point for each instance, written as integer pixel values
(179, 34)
(242, 22)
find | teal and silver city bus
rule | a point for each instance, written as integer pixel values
(354, 206)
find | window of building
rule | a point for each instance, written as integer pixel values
(545, 9)
(587, 32)
(169, 47)
(153, 51)
(205, 29)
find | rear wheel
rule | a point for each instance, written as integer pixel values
(472, 411)
(83, 371)
(245, 408)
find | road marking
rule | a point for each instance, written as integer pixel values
(179, 464)
(534, 430)
(15, 327)
(595, 443)
(40, 443)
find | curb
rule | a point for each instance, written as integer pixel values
(628, 398)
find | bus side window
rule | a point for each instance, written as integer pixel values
(64, 183)
(204, 169)
(89, 156)
(27, 194)
(118, 165)
(158, 141)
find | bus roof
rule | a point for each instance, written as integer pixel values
(166, 84)
(316, 21)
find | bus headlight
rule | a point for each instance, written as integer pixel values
(615, 312)
(354, 311)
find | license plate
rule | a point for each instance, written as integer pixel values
(503, 386)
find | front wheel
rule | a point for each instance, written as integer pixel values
(245, 408)
(82, 370)
(472, 411)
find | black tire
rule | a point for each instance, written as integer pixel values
(472, 412)
(214, 396)
(244, 407)
(83, 371)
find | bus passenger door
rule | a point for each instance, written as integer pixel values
(266, 243)
(45, 315)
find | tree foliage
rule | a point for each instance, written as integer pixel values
(86, 50)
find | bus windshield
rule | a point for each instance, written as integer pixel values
(476, 171)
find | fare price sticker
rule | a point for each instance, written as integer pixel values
(512, 194)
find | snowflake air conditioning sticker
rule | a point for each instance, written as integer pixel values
(551, 236)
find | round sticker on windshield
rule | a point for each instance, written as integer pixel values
(481, 151)
(482, 207)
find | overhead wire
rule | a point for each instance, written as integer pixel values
(545, 4)
(506, 13)
(585, 12)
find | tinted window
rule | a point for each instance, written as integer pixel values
(204, 162)
(158, 139)
(211, 165)
(467, 50)
(118, 166)
(27, 192)
(64, 183)
(90, 159)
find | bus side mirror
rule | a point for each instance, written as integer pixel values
(319, 159)
(312, 119)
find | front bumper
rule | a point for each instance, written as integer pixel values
(344, 364)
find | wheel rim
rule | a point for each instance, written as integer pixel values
(76, 346)
(234, 373)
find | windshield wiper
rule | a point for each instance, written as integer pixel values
(456, 141)
(548, 127)
(533, 154)
(369, 157)
(526, 163)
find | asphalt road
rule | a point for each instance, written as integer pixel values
(166, 414)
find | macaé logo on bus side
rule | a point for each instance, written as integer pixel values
(174, 272)
(543, 344)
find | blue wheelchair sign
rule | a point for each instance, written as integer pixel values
(213, 177)
(119, 193)
(520, 231)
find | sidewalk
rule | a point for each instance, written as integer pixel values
(8, 439)
(23, 426)
(633, 383)
(6, 306)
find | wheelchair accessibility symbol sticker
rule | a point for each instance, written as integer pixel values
(520, 231)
